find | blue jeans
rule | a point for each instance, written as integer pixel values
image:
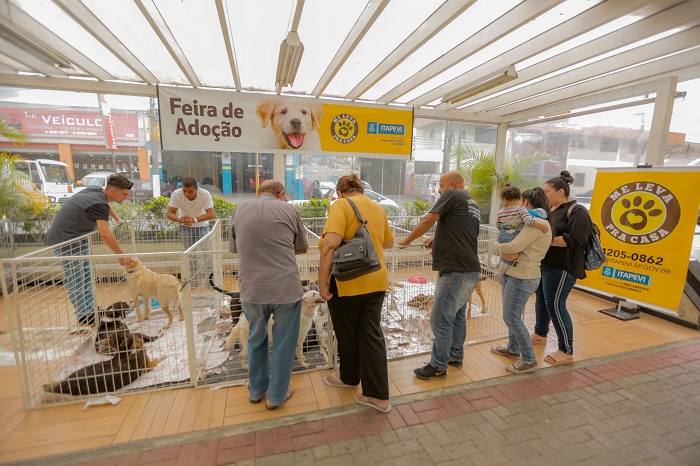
(516, 291)
(285, 332)
(448, 318)
(78, 278)
(190, 235)
(550, 306)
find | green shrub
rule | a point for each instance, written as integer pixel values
(416, 208)
(156, 208)
(313, 208)
(223, 208)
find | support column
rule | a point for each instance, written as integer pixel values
(661, 121)
(226, 174)
(144, 166)
(65, 155)
(279, 167)
(499, 168)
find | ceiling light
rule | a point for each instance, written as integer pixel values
(291, 51)
(482, 85)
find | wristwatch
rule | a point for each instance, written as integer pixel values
(194, 220)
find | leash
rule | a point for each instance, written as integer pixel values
(185, 283)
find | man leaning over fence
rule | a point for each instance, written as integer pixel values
(192, 208)
(79, 216)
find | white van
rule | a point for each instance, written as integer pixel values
(50, 177)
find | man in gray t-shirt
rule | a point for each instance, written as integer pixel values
(85, 211)
(455, 258)
(267, 233)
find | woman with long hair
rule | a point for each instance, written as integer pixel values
(563, 264)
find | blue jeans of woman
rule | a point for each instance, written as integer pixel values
(516, 292)
(448, 318)
(263, 376)
(78, 278)
(550, 306)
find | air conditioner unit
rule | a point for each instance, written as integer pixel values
(482, 85)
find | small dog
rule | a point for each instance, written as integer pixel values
(425, 301)
(479, 293)
(290, 125)
(107, 328)
(321, 315)
(234, 304)
(309, 302)
(130, 361)
(116, 310)
(239, 334)
(148, 284)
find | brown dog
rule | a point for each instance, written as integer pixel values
(148, 284)
(130, 361)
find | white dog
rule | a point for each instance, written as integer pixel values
(240, 333)
(148, 284)
(309, 302)
(290, 125)
(321, 322)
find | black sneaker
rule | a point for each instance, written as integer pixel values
(428, 372)
(87, 319)
(454, 363)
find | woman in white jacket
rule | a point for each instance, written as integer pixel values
(519, 282)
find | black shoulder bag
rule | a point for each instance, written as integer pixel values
(357, 256)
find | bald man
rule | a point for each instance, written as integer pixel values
(454, 257)
(267, 234)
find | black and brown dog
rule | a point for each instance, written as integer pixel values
(129, 362)
(111, 322)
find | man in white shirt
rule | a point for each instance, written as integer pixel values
(192, 208)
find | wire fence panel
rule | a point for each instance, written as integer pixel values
(134, 349)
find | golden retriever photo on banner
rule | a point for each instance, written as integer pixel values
(290, 125)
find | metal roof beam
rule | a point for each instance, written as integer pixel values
(652, 51)
(580, 24)
(155, 19)
(672, 64)
(228, 41)
(443, 16)
(518, 16)
(83, 16)
(78, 85)
(369, 15)
(681, 17)
(29, 60)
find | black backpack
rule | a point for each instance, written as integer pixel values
(595, 256)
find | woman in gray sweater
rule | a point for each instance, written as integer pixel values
(519, 282)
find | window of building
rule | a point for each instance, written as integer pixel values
(609, 145)
(485, 134)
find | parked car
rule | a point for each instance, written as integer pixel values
(94, 180)
(142, 189)
(381, 200)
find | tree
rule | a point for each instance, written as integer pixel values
(478, 168)
(17, 191)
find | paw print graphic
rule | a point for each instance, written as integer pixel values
(637, 215)
(344, 129)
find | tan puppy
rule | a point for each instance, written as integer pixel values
(148, 284)
(290, 125)
(239, 333)
(481, 297)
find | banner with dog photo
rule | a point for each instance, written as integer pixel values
(228, 121)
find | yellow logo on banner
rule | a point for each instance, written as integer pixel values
(640, 213)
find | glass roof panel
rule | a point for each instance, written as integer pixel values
(397, 21)
(195, 26)
(54, 18)
(552, 18)
(452, 35)
(322, 38)
(258, 29)
(130, 26)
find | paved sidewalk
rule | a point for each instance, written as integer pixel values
(635, 408)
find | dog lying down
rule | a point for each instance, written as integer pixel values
(129, 362)
(148, 284)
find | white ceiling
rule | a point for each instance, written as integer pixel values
(568, 54)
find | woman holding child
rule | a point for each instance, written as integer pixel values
(522, 276)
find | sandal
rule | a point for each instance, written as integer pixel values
(538, 339)
(269, 406)
(363, 400)
(333, 380)
(558, 358)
